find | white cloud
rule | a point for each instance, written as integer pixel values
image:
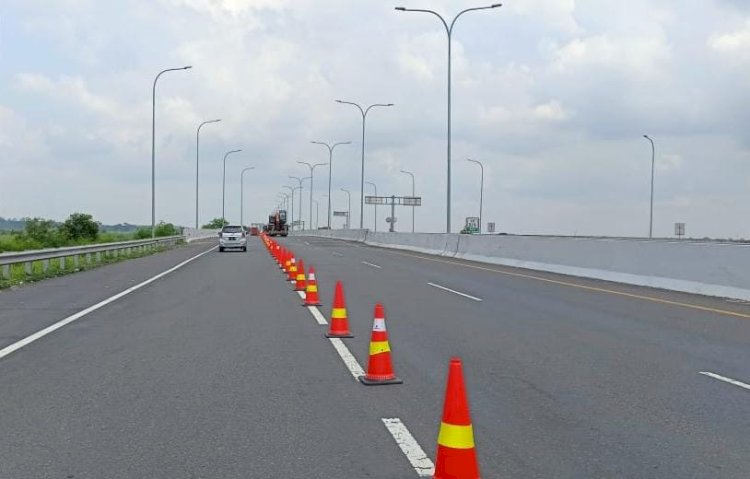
(732, 43)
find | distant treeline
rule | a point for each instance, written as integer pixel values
(18, 224)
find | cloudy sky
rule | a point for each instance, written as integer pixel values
(552, 95)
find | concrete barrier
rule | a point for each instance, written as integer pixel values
(700, 267)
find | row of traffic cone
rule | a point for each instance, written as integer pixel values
(456, 452)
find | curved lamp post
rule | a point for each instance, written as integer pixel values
(412, 194)
(449, 31)
(224, 184)
(197, 170)
(312, 171)
(153, 146)
(330, 169)
(653, 161)
(349, 210)
(364, 113)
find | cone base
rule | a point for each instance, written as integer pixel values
(299, 289)
(339, 335)
(370, 382)
(312, 304)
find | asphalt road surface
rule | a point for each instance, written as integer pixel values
(215, 371)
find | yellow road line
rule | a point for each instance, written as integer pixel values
(582, 286)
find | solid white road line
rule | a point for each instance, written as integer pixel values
(301, 294)
(336, 253)
(317, 315)
(50, 329)
(373, 265)
(410, 447)
(455, 292)
(726, 380)
(349, 360)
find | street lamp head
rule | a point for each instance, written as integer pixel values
(216, 120)
(187, 67)
(496, 5)
(389, 104)
(400, 9)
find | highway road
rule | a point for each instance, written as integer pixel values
(215, 370)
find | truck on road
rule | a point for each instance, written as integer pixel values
(277, 224)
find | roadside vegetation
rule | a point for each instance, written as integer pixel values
(77, 230)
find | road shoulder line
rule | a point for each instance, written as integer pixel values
(410, 447)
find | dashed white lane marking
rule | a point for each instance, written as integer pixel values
(410, 447)
(726, 380)
(474, 298)
(317, 315)
(336, 253)
(349, 360)
(301, 294)
(307, 243)
(50, 329)
(371, 264)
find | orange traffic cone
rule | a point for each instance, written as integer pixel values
(456, 455)
(379, 366)
(292, 272)
(311, 291)
(301, 283)
(287, 261)
(339, 320)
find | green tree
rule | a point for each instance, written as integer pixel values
(215, 224)
(167, 229)
(40, 230)
(80, 226)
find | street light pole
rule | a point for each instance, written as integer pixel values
(348, 211)
(330, 169)
(312, 171)
(291, 205)
(449, 31)
(481, 191)
(364, 113)
(376, 206)
(653, 161)
(317, 214)
(197, 156)
(242, 194)
(300, 198)
(153, 146)
(412, 194)
(224, 185)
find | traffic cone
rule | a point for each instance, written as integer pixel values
(287, 261)
(379, 366)
(311, 290)
(339, 320)
(292, 276)
(456, 454)
(301, 283)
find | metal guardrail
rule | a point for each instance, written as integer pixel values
(7, 260)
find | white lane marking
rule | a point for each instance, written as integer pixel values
(455, 292)
(317, 315)
(726, 380)
(373, 265)
(409, 446)
(50, 329)
(349, 360)
(336, 253)
(301, 294)
(307, 243)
